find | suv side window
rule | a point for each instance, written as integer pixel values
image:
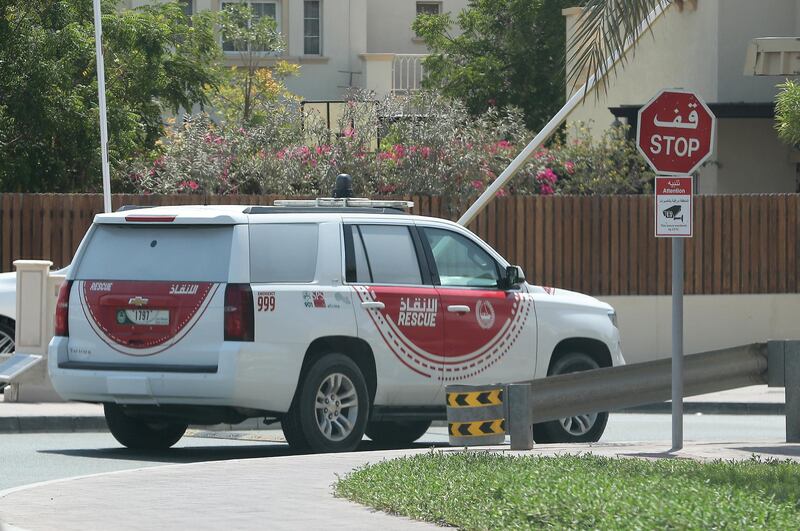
(460, 261)
(383, 254)
(283, 252)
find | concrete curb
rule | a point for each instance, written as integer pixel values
(95, 423)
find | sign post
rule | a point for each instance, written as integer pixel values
(676, 135)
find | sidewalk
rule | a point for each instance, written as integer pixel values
(74, 416)
(291, 492)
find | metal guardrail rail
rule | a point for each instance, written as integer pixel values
(776, 363)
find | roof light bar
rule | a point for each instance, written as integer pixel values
(343, 202)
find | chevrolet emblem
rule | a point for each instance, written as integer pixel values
(138, 301)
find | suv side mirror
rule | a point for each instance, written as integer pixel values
(514, 276)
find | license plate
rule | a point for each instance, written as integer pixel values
(143, 317)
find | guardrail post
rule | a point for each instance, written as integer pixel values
(791, 370)
(519, 416)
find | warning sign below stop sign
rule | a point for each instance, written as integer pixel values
(676, 132)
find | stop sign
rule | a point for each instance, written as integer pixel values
(676, 132)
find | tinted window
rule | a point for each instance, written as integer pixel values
(391, 256)
(460, 261)
(199, 253)
(363, 273)
(283, 252)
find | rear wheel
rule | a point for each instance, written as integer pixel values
(578, 428)
(397, 432)
(331, 407)
(141, 434)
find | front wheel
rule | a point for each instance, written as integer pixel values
(332, 406)
(140, 434)
(6, 337)
(578, 428)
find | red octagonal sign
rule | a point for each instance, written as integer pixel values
(676, 132)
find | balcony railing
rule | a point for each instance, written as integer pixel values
(393, 73)
(408, 72)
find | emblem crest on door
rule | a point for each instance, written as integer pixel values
(484, 313)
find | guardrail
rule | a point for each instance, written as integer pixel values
(776, 363)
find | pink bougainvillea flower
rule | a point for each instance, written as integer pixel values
(425, 151)
(477, 184)
(504, 144)
(280, 155)
(546, 189)
(388, 189)
(570, 167)
(349, 132)
(399, 151)
(193, 185)
(501, 192)
(547, 175)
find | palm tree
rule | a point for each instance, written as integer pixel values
(605, 27)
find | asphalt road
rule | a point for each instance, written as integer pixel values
(31, 458)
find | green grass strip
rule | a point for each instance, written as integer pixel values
(481, 490)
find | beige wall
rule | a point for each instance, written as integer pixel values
(710, 322)
(389, 25)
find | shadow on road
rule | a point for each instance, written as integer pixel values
(212, 453)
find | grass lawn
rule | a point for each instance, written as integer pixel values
(480, 490)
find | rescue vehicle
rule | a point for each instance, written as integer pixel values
(336, 317)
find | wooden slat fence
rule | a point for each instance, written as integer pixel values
(596, 245)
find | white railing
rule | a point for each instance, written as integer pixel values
(407, 73)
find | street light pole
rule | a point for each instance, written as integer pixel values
(101, 94)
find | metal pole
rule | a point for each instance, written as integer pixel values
(556, 121)
(518, 420)
(101, 94)
(677, 344)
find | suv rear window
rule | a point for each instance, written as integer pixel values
(283, 252)
(196, 253)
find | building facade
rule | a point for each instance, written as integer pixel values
(702, 46)
(344, 43)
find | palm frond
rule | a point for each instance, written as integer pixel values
(605, 27)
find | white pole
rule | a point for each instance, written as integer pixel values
(101, 94)
(556, 121)
(677, 344)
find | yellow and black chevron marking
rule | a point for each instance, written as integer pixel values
(478, 428)
(475, 399)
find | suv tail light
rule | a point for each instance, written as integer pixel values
(238, 313)
(62, 309)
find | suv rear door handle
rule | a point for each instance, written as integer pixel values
(458, 308)
(369, 305)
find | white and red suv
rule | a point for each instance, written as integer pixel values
(337, 320)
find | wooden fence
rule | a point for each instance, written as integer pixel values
(597, 245)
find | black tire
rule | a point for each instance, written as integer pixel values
(397, 432)
(311, 420)
(7, 336)
(554, 431)
(290, 424)
(140, 434)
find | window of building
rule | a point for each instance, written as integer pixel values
(283, 252)
(429, 8)
(312, 34)
(260, 9)
(390, 256)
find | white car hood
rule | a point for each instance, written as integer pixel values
(568, 297)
